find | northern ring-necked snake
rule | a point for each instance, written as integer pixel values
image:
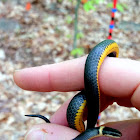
(90, 96)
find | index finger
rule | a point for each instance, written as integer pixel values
(119, 78)
(64, 76)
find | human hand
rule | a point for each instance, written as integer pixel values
(119, 81)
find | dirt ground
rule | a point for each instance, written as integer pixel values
(44, 35)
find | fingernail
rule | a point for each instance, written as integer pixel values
(35, 134)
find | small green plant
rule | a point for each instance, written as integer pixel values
(77, 52)
(90, 5)
(80, 35)
(69, 36)
(60, 1)
(120, 6)
(69, 19)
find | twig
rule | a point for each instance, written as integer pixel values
(76, 24)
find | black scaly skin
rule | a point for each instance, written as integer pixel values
(73, 106)
(94, 132)
(90, 79)
(87, 134)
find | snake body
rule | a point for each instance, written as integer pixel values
(90, 96)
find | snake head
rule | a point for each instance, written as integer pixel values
(110, 132)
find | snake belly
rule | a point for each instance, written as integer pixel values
(90, 96)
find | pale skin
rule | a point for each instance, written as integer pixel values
(119, 81)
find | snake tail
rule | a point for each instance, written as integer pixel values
(97, 132)
(39, 116)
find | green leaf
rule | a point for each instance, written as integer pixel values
(120, 8)
(59, 0)
(110, 5)
(88, 6)
(77, 51)
(69, 36)
(69, 19)
(97, 1)
(124, 5)
(80, 35)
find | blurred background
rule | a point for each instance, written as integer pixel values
(38, 32)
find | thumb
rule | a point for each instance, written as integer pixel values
(130, 130)
(50, 132)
